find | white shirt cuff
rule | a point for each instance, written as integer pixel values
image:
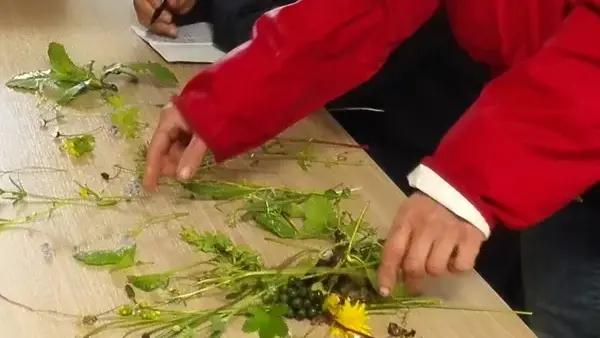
(431, 184)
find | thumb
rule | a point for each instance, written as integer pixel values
(393, 253)
(191, 159)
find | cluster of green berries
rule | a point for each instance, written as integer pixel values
(141, 310)
(302, 302)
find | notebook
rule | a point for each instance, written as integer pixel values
(193, 44)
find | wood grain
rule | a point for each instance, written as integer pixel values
(99, 30)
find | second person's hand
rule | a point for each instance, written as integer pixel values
(164, 25)
(173, 151)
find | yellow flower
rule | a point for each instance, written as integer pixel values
(332, 303)
(350, 318)
(354, 317)
(338, 332)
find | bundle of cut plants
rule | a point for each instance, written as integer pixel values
(334, 285)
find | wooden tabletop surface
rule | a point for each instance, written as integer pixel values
(39, 271)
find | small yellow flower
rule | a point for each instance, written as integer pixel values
(354, 317)
(332, 303)
(350, 318)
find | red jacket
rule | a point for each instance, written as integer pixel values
(526, 148)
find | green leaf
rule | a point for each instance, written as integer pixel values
(217, 190)
(223, 248)
(319, 215)
(150, 282)
(63, 68)
(276, 224)
(78, 146)
(29, 81)
(160, 72)
(217, 325)
(127, 121)
(293, 210)
(69, 95)
(267, 324)
(122, 258)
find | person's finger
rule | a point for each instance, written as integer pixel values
(176, 4)
(413, 285)
(441, 252)
(145, 9)
(164, 136)
(191, 159)
(393, 253)
(169, 169)
(176, 152)
(419, 247)
(162, 28)
(466, 253)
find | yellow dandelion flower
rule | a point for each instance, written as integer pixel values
(332, 303)
(338, 332)
(353, 317)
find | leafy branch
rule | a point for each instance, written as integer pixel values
(67, 80)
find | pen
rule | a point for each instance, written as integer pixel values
(158, 11)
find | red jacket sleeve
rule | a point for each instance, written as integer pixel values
(300, 57)
(531, 143)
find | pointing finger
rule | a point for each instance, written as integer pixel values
(158, 148)
(393, 253)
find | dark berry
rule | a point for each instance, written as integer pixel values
(312, 313)
(290, 313)
(317, 295)
(307, 303)
(292, 292)
(297, 283)
(300, 314)
(302, 292)
(284, 298)
(296, 303)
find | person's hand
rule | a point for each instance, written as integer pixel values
(426, 239)
(164, 25)
(173, 150)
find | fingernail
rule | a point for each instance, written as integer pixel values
(185, 173)
(384, 291)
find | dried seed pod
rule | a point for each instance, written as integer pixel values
(130, 292)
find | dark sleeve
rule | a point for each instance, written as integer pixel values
(232, 20)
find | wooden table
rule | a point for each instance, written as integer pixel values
(99, 30)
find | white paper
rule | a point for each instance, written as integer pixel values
(193, 44)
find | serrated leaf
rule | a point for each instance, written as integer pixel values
(63, 68)
(127, 121)
(224, 249)
(217, 190)
(276, 224)
(121, 258)
(267, 324)
(150, 282)
(29, 81)
(77, 146)
(160, 72)
(319, 214)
